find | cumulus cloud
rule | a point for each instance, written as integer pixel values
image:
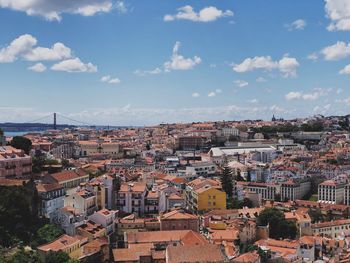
(337, 51)
(207, 14)
(212, 94)
(57, 52)
(18, 47)
(241, 83)
(298, 24)
(74, 65)
(338, 11)
(313, 56)
(195, 95)
(179, 62)
(286, 65)
(38, 67)
(253, 101)
(345, 70)
(314, 95)
(108, 79)
(52, 9)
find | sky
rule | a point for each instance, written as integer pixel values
(133, 62)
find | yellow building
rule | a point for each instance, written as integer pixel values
(208, 198)
(65, 243)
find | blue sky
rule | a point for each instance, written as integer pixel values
(138, 62)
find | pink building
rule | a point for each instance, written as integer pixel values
(14, 163)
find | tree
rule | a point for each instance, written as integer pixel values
(21, 142)
(57, 257)
(227, 185)
(46, 234)
(22, 256)
(279, 226)
(239, 176)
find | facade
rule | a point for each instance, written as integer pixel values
(206, 198)
(14, 163)
(190, 143)
(152, 202)
(179, 220)
(131, 198)
(205, 169)
(89, 148)
(294, 191)
(332, 229)
(51, 199)
(69, 178)
(347, 194)
(267, 191)
(331, 192)
(91, 230)
(83, 201)
(105, 218)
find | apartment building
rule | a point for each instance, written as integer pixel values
(69, 178)
(14, 163)
(331, 191)
(131, 198)
(332, 229)
(152, 202)
(51, 199)
(83, 201)
(347, 194)
(267, 191)
(190, 143)
(105, 218)
(205, 198)
(294, 190)
(205, 169)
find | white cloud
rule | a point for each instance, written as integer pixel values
(345, 70)
(241, 83)
(195, 95)
(207, 14)
(38, 67)
(339, 91)
(260, 79)
(74, 65)
(298, 24)
(293, 95)
(211, 94)
(53, 9)
(253, 101)
(108, 79)
(18, 47)
(155, 71)
(337, 51)
(179, 62)
(313, 56)
(287, 65)
(314, 95)
(338, 11)
(57, 52)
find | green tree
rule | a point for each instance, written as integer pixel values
(279, 226)
(22, 256)
(227, 185)
(46, 234)
(21, 142)
(57, 257)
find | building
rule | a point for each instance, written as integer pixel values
(205, 169)
(83, 201)
(332, 229)
(51, 199)
(206, 198)
(347, 194)
(152, 202)
(69, 178)
(191, 143)
(294, 190)
(331, 192)
(65, 243)
(267, 191)
(105, 218)
(131, 198)
(91, 230)
(302, 221)
(14, 163)
(178, 220)
(90, 148)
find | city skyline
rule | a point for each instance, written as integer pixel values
(137, 63)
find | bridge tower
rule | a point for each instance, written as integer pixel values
(54, 121)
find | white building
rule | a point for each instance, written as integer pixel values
(131, 198)
(331, 191)
(83, 201)
(332, 229)
(51, 199)
(105, 218)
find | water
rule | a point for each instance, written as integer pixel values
(19, 133)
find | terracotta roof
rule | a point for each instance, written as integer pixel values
(59, 244)
(185, 236)
(249, 257)
(68, 175)
(176, 214)
(134, 187)
(133, 253)
(198, 253)
(47, 187)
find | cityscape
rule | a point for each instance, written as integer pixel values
(174, 131)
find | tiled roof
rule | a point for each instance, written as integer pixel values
(195, 254)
